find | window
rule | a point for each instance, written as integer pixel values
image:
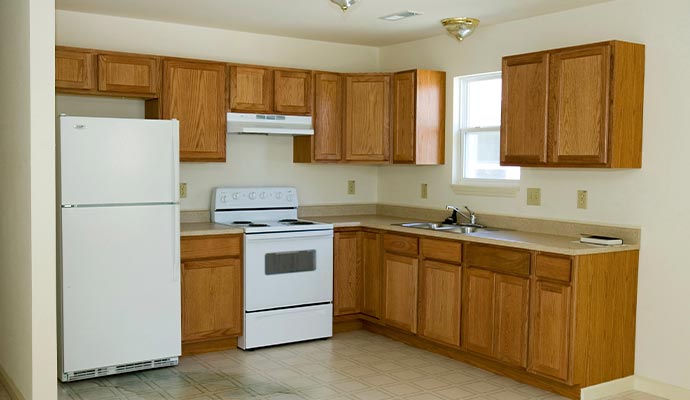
(476, 160)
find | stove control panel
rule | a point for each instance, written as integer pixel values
(253, 197)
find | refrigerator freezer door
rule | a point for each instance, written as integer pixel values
(120, 285)
(118, 161)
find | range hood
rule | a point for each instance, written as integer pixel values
(267, 124)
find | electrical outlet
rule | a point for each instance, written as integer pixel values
(183, 190)
(582, 199)
(351, 187)
(425, 190)
(533, 196)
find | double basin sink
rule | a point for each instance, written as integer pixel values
(452, 228)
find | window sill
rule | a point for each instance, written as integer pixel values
(485, 190)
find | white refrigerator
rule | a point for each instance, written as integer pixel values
(118, 243)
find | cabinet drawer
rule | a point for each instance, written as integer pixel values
(401, 244)
(442, 250)
(201, 247)
(553, 267)
(499, 259)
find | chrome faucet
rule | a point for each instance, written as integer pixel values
(470, 216)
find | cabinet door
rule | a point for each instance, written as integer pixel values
(367, 117)
(550, 330)
(292, 92)
(346, 273)
(523, 109)
(194, 93)
(128, 74)
(211, 299)
(579, 105)
(404, 117)
(74, 69)
(511, 318)
(251, 89)
(400, 292)
(372, 271)
(478, 311)
(439, 302)
(328, 117)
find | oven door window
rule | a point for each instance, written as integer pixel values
(290, 261)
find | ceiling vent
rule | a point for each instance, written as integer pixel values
(400, 15)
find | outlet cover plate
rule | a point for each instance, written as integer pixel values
(533, 196)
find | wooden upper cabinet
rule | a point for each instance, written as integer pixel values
(367, 117)
(194, 93)
(550, 330)
(593, 113)
(74, 69)
(251, 89)
(328, 117)
(128, 74)
(347, 273)
(523, 109)
(400, 291)
(578, 111)
(419, 101)
(292, 91)
(372, 274)
(439, 302)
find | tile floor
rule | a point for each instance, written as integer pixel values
(355, 365)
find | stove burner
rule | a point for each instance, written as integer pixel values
(301, 223)
(287, 220)
(257, 225)
(241, 222)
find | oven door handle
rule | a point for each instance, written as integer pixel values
(288, 235)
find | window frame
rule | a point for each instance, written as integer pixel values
(473, 186)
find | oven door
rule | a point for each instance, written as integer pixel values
(287, 269)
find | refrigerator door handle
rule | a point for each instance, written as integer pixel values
(176, 244)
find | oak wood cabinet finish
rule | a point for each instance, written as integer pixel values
(511, 319)
(372, 274)
(128, 74)
(347, 272)
(478, 311)
(211, 291)
(550, 331)
(74, 69)
(292, 92)
(194, 93)
(439, 302)
(251, 89)
(401, 244)
(367, 117)
(400, 291)
(419, 117)
(592, 115)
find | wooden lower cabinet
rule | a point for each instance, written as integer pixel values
(212, 307)
(550, 329)
(439, 302)
(510, 319)
(372, 274)
(400, 291)
(347, 272)
(478, 311)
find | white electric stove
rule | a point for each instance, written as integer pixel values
(288, 265)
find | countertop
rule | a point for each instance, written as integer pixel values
(502, 237)
(509, 238)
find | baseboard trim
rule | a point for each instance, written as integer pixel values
(9, 385)
(635, 382)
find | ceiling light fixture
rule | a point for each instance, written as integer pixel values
(400, 15)
(460, 27)
(344, 4)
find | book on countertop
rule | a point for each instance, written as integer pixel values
(598, 239)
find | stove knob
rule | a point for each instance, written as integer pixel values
(235, 196)
(262, 195)
(252, 196)
(223, 199)
(288, 197)
(279, 195)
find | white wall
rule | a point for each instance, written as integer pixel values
(255, 160)
(654, 197)
(27, 221)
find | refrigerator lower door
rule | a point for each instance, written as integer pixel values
(120, 286)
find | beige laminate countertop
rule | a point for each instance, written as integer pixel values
(206, 228)
(510, 238)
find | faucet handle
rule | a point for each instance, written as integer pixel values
(473, 217)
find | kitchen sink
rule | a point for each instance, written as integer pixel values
(459, 228)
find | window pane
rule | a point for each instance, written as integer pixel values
(484, 103)
(481, 156)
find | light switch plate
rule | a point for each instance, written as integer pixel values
(183, 190)
(351, 187)
(533, 196)
(582, 199)
(425, 191)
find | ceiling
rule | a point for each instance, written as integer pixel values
(321, 20)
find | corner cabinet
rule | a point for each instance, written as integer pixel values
(194, 93)
(211, 292)
(367, 117)
(574, 107)
(419, 105)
